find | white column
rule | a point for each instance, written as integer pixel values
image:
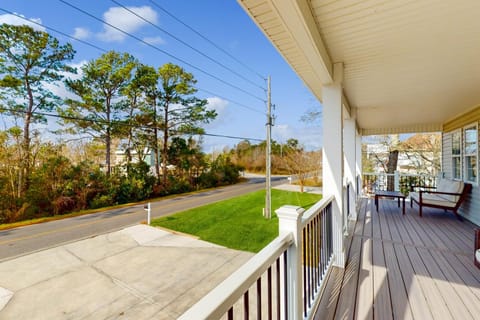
(349, 144)
(333, 158)
(358, 163)
(396, 181)
(289, 221)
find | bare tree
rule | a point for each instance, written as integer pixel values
(423, 151)
(303, 165)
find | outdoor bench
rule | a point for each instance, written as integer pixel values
(448, 195)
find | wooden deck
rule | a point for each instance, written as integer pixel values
(405, 267)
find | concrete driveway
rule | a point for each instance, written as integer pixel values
(139, 272)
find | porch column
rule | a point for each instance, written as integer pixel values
(333, 158)
(359, 164)
(349, 143)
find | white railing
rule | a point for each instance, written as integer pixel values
(293, 267)
(317, 245)
(221, 300)
(401, 181)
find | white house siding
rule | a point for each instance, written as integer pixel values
(470, 209)
(447, 155)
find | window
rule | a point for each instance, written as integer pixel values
(470, 154)
(456, 155)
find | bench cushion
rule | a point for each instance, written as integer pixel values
(452, 186)
(433, 199)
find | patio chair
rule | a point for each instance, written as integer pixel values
(448, 195)
(476, 258)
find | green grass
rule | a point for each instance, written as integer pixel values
(237, 223)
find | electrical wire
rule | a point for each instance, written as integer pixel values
(162, 51)
(188, 45)
(122, 123)
(104, 50)
(208, 40)
(230, 100)
(54, 30)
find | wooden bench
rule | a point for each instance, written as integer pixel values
(476, 252)
(448, 195)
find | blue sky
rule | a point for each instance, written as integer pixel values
(224, 23)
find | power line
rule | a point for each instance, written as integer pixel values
(230, 100)
(225, 136)
(208, 40)
(162, 51)
(122, 123)
(105, 50)
(188, 45)
(54, 30)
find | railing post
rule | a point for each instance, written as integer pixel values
(289, 221)
(396, 181)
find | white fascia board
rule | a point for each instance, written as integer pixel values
(296, 16)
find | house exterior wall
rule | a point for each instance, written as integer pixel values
(447, 155)
(470, 210)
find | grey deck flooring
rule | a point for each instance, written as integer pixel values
(405, 267)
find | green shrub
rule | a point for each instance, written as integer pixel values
(101, 201)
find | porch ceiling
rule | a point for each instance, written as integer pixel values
(409, 65)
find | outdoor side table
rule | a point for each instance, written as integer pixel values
(390, 194)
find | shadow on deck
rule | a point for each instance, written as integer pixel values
(405, 267)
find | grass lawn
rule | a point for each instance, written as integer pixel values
(237, 223)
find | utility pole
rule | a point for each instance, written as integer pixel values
(268, 184)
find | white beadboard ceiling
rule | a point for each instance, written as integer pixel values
(409, 65)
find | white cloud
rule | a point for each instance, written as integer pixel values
(310, 137)
(15, 20)
(81, 33)
(126, 21)
(154, 40)
(220, 106)
(77, 66)
(281, 132)
(58, 88)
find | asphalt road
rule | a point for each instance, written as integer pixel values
(20, 241)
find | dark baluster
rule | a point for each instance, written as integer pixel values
(259, 299)
(309, 267)
(269, 289)
(285, 279)
(304, 259)
(246, 306)
(278, 288)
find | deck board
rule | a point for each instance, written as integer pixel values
(436, 303)
(406, 267)
(456, 305)
(364, 298)
(381, 300)
(346, 301)
(400, 304)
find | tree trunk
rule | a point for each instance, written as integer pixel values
(24, 174)
(165, 145)
(391, 168)
(128, 150)
(108, 141)
(155, 142)
(107, 156)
